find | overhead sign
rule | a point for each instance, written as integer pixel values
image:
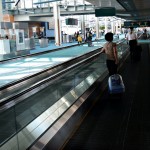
(136, 24)
(71, 21)
(105, 11)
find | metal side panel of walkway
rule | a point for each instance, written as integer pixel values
(119, 124)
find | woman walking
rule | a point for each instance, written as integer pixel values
(132, 40)
(111, 53)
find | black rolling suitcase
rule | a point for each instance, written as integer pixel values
(137, 53)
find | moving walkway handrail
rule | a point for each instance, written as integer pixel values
(34, 78)
(4, 90)
(15, 98)
(61, 69)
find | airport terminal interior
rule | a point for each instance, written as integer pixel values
(56, 92)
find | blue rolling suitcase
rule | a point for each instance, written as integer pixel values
(115, 84)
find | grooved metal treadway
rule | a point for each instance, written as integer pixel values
(115, 124)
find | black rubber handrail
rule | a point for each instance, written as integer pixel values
(15, 98)
(66, 64)
(23, 83)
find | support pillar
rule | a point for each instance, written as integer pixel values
(120, 26)
(56, 13)
(83, 26)
(112, 27)
(106, 28)
(97, 28)
(116, 27)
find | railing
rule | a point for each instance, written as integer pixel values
(23, 83)
(25, 122)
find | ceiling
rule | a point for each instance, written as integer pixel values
(127, 9)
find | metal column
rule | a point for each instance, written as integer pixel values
(57, 24)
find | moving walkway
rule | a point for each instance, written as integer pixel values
(45, 108)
